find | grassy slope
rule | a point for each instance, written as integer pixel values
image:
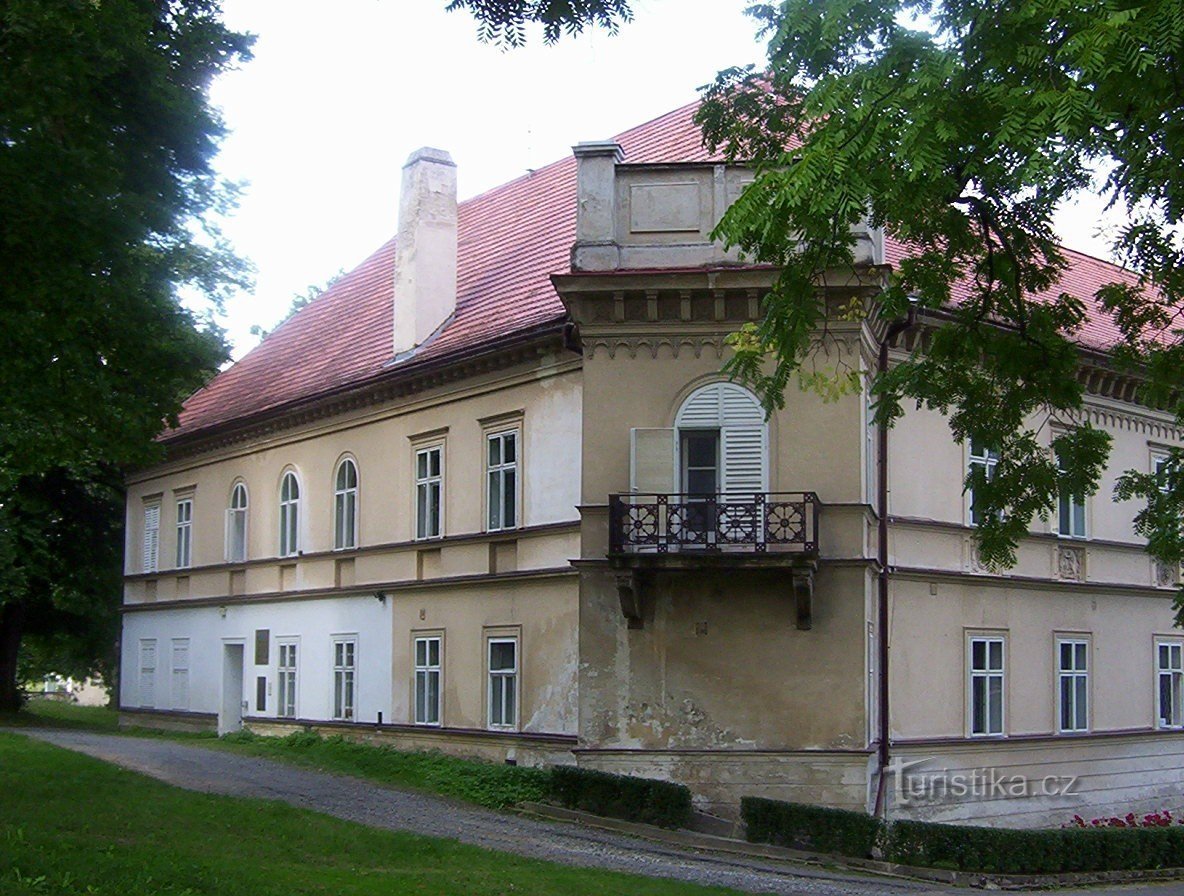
(74, 825)
(484, 783)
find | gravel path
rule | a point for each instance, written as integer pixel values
(215, 771)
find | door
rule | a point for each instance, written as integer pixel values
(230, 717)
(699, 479)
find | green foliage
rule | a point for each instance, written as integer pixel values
(138, 835)
(311, 293)
(964, 848)
(505, 22)
(810, 827)
(483, 783)
(959, 128)
(621, 796)
(106, 146)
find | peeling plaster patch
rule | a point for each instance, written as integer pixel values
(559, 701)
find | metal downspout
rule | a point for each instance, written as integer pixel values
(894, 329)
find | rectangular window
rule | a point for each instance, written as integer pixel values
(262, 646)
(1071, 516)
(502, 479)
(286, 705)
(427, 681)
(1160, 467)
(260, 693)
(184, 533)
(344, 667)
(986, 686)
(1169, 664)
(1073, 684)
(148, 672)
(986, 458)
(180, 673)
(151, 559)
(503, 683)
(429, 491)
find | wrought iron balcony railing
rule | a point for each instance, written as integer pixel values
(760, 523)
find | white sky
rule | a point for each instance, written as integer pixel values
(340, 92)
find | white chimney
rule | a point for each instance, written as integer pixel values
(425, 257)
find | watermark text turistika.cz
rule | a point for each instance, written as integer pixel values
(914, 785)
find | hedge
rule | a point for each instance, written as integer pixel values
(810, 827)
(620, 796)
(963, 848)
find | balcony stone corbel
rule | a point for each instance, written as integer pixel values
(803, 595)
(629, 592)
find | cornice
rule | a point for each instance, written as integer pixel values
(500, 536)
(396, 382)
(366, 591)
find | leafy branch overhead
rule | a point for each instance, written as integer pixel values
(959, 127)
(506, 22)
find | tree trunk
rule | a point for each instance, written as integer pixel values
(12, 624)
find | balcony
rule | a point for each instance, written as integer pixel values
(655, 533)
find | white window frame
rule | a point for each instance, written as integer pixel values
(179, 664)
(184, 553)
(345, 678)
(496, 518)
(979, 680)
(237, 553)
(1159, 461)
(1073, 684)
(506, 676)
(426, 526)
(345, 506)
(988, 458)
(425, 671)
(289, 504)
(1174, 671)
(146, 696)
(287, 678)
(1073, 509)
(151, 543)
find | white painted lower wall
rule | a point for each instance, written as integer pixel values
(1038, 782)
(312, 625)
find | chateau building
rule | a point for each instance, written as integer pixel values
(491, 494)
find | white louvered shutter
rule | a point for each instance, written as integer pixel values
(151, 538)
(744, 455)
(651, 461)
(181, 674)
(703, 409)
(148, 673)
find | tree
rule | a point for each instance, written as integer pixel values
(959, 126)
(505, 22)
(106, 143)
(311, 293)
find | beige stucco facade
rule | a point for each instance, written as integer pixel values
(746, 667)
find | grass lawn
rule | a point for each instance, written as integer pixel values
(484, 783)
(75, 825)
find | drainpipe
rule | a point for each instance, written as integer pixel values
(894, 329)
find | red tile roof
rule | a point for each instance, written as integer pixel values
(510, 240)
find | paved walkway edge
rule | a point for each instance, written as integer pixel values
(712, 843)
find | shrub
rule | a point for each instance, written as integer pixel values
(810, 827)
(1156, 843)
(620, 796)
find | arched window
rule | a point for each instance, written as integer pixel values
(722, 442)
(345, 506)
(289, 515)
(236, 524)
